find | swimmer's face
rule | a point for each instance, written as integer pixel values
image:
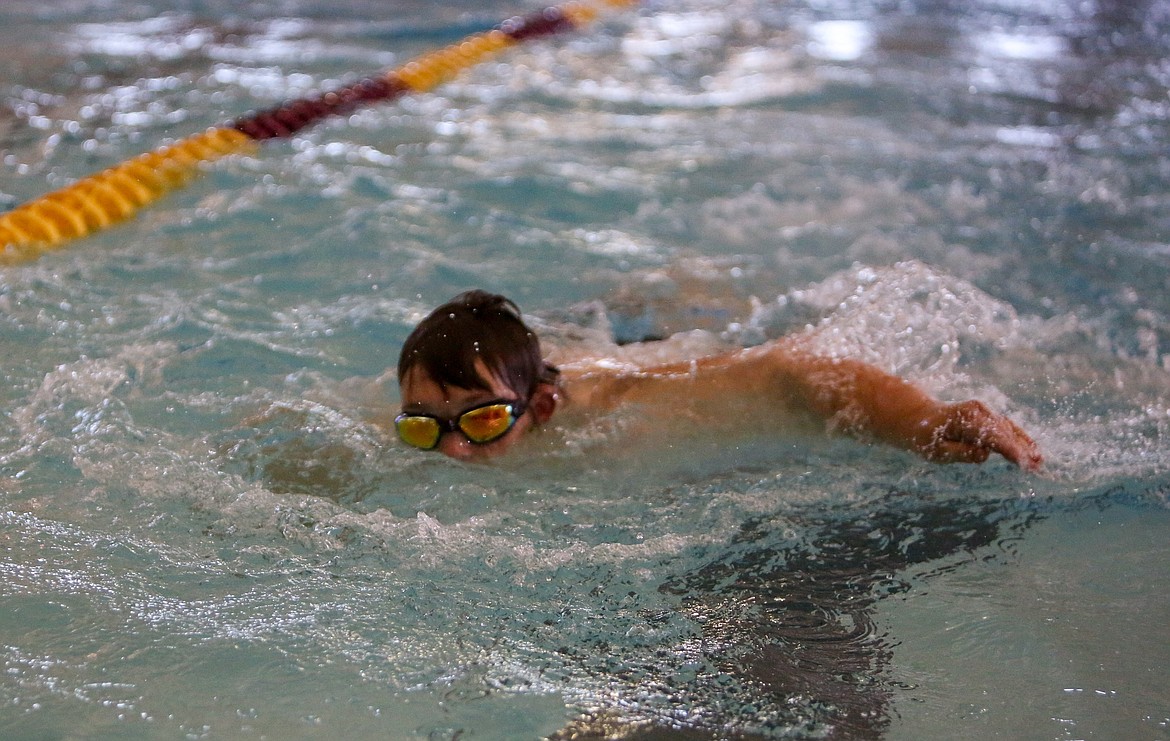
(422, 395)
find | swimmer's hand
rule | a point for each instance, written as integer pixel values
(968, 432)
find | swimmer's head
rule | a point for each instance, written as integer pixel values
(470, 351)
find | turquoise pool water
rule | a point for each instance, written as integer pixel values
(207, 533)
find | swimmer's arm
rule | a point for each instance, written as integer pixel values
(772, 381)
(860, 399)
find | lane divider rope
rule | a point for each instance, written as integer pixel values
(120, 192)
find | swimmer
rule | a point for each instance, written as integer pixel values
(473, 382)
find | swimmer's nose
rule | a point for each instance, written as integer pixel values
(455, 445)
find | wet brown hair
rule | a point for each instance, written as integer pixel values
(476, 326)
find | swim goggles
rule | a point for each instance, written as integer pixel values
(481, 424)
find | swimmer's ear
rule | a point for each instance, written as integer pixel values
(544, 402)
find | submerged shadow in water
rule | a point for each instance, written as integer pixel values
(790, 630)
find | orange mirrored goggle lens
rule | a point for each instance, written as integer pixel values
(486, 423)
(421, 432)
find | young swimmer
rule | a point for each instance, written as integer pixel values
(473, 381)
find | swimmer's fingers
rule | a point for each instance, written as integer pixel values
(968, 432)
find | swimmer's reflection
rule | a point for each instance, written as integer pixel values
(791, 627)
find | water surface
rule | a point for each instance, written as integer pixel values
(207, 533)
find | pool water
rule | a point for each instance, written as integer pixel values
(208, 533)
